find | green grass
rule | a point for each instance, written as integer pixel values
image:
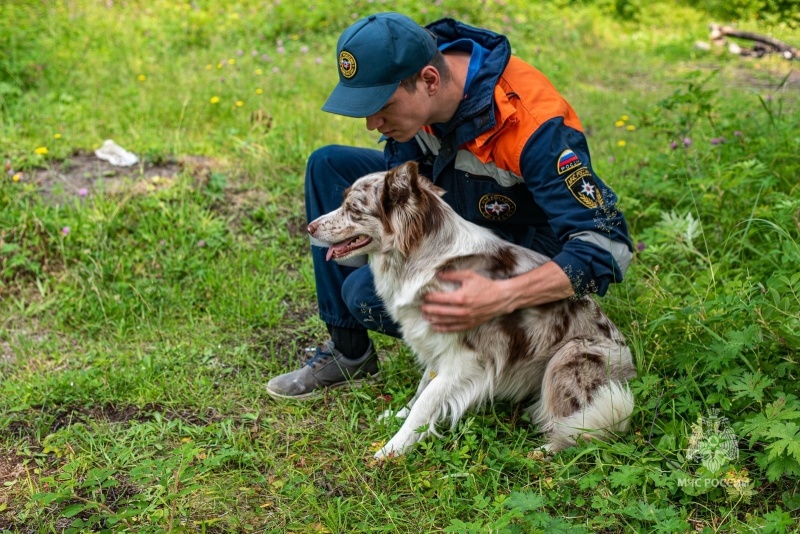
(134, 348)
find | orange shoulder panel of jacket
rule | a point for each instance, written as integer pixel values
(524, 100)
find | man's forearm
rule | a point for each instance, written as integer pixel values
(544, 284)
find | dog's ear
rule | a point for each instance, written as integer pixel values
(399, 184)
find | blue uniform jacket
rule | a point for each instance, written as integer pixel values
(514, 159)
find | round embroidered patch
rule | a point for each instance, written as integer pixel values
(347, 64)
(496, 207)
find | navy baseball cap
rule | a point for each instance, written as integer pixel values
(374, 55)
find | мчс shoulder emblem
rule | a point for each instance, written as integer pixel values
(583, 187)
(347, 64)
(496, 207)
(568, 160)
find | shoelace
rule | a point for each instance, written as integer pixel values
(318, 356)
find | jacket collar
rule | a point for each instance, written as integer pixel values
(472, 110)
(475, 115)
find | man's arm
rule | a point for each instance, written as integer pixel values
(582, 212)
(480, 299)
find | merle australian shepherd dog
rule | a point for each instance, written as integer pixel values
(566, 354)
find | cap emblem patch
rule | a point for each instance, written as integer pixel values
(347, 64)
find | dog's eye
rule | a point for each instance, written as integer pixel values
(356, 207)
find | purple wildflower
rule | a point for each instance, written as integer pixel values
(673, 145)
(687, 142)
(640, 246)
(65, 231)
(82, 192)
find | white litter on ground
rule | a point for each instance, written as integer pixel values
(116, 155)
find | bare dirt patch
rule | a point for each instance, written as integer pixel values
(84, 174)
(11, 468)
(39, 420)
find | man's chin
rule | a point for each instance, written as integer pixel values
(402, 138)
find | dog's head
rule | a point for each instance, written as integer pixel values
(382, 212)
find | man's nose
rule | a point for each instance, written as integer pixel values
(373, 122)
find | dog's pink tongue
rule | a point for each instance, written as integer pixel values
(334, 248)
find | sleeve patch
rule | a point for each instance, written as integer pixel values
(568, 160)
(583, 187)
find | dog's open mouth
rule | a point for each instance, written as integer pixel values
(347, 246)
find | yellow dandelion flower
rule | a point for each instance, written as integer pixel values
(631, 128)
(231, 61)
(619, 124)
(214, 100)
(142, 77)
(17, 177)
(219, 65)
(209, 66)
(239, 103)
(621, 142)
(57, 136)
(259, 72)
(624, 117)
(259, 91)
(41, 151)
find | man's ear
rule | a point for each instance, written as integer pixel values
(431, 78)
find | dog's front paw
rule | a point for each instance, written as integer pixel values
(388, 451)
(383, 454)
(396, 446)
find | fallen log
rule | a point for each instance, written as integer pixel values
(765, 44)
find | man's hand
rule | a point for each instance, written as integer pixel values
(478, 300)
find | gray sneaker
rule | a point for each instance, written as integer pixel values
(327, 368)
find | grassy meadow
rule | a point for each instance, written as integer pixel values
(143, 309)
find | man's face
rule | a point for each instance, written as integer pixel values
(403, 115)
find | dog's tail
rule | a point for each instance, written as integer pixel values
(608, 413)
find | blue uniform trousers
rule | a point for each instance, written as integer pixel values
(346, 295)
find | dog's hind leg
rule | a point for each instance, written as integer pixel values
(447, 394)
(585, 393)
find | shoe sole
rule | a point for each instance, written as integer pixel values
(318, 393)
